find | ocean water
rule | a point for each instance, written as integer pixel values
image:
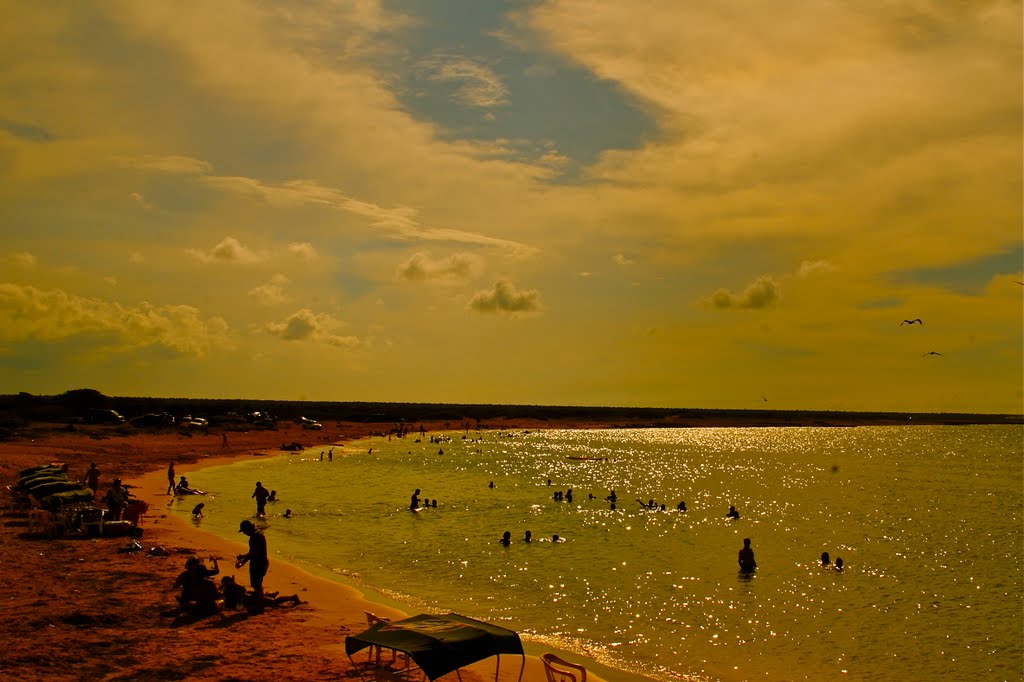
(928, 520)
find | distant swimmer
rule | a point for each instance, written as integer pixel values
(681, 506)
(825, 561)
(931, 352)
(528, 537)
(733, 514)
(839, 563)
(287, 513)
(414, 501)
(746, 558)
(916, 320)
(506, 538)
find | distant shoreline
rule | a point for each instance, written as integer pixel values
(18, 412)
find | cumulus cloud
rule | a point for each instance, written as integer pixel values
(458, 267)
(228, 250)
(272, 292)
(305, 325)
(814, 267)
(505, 298)
(302, 250)
(55, 315)
(763, 293)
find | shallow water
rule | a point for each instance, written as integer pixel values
(927, 519)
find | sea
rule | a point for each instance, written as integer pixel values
(928, 521)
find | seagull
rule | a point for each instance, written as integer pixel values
(931, 352)
(914, 321)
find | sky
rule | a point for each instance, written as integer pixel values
(721, 204)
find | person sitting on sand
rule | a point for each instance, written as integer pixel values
(236, 596)
(199, 593)
(197, 511)
(733, 514)
(182, 487)
(746, 558)
(506, 538)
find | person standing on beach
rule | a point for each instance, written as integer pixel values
(92, 478)
(746, 558)
(261, 495)
(170, 478)
(257, 559)
(115, 498)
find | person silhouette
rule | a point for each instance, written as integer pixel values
(746, 558)
(825, 561)
(506, 538)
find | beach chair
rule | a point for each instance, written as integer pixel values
(559, 670)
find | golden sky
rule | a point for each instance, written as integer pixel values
(708, 204)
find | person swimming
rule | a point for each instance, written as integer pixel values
(825, 561)
(506, 538)
(839, 563)
(733, 514)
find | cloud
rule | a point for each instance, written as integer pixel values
(400, 221)
(302, 250)
(305, 325)
(814, 267)
(272, 292)
(23, 259)
(228, 250)
(458, 267)
(55, 315)
(620, 259)
(476, 84)
(173, 164)
(141, 200)
(763, 293)
(505, 298)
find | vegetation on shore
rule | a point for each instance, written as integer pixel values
(72, 407)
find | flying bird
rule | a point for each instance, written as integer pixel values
(931, 352)
(914, 321)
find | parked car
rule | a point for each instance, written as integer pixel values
(311, 424)
(98, 416)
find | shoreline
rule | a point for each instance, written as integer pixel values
(304, 643)
(331, 601)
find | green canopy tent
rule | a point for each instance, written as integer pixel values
(439, 644)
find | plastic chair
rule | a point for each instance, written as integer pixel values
(371, 620)
(559, 670)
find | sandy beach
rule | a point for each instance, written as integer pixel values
(85, 609)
